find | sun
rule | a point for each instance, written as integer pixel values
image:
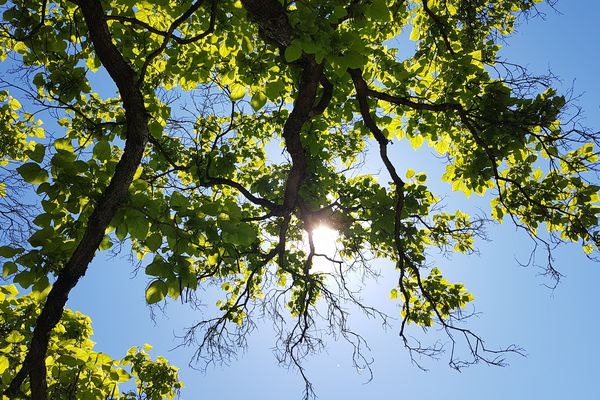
(326, 248)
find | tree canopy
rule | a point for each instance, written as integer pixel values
(212, 138)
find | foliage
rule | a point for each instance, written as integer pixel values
(75, 370)
(179, 164)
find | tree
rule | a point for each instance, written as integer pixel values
(75, 370)
(177, 165)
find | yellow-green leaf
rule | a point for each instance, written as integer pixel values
(259, 99)
(237, 92)
(3, 364)
(156, 291)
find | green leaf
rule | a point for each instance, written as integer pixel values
(14, 104)
(339, 12)
(39, 80)
(273, 89)
(121, 231)
(25, 279)
(33, 173)
(241, 234)
(137, 226)
(10, 252)
(8, 269)
(122, 375)
(93, 63)
(355, 60)
(64, 145)
(416, 141)
(155, 129)
(247, 45)
(237, 92)
(38, 153)
(156, 291)
(179, 201)
(293, 52)
(174, 287)
(378, 10)
(41, 287)
(20, 48)
(414, 33)
(154, 241)
(14, 337)
(102, 150)
(159, 268)
(105, 244)
(3, 364)
(258, 100)
(70, 361)
(224, 50)
(79, 354)
(212, 209)
(40, 237)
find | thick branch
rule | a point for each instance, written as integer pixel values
(291, 131)
(272, 20)
(325, 99)
(274, 26)
(113, 197)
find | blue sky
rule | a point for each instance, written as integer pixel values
(558, 329)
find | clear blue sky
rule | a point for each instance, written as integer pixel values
(559, 329)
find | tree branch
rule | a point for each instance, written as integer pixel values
(166, 34)
(272, 20)
(403, 101)
(291, 132)
(362, 94)
(174, 25)
(440, 26)
(113, 197)
(216, 181)
(325, 99)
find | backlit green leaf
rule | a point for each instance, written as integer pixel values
(156, 291)
(237, 92)
(258, 101)
(14, 337)
(4, 364)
